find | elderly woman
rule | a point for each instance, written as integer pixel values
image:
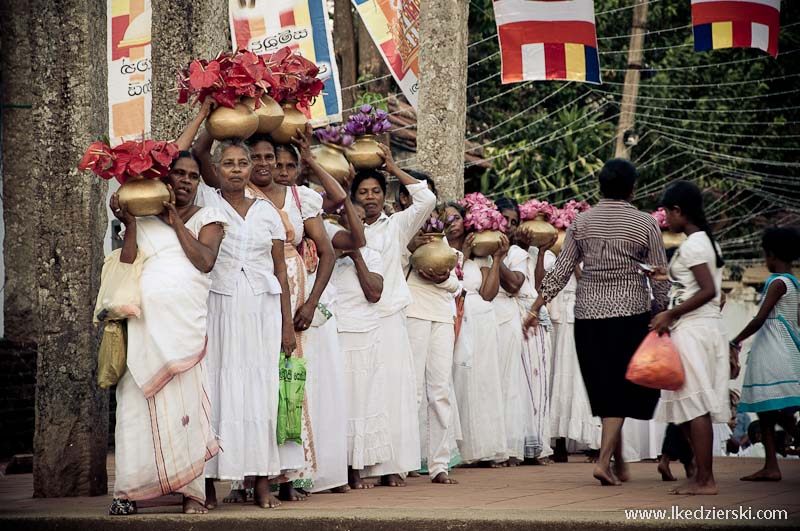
(250, 323)
(612, 307)
(163, 433)
(389, 235)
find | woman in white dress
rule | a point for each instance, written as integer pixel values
(358, 281)
(694, 323)
(163, 434)
(250, 324)
(476, 361)
(517, 400)
(389, 235)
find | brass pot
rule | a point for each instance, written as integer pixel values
(486, 243)
(331, 158)
(536, 232)
(365, 153)
(672, 239)
(224, 122)
(270, 114)
(143, 197)
(294, 122)
(556, 248)
(436, 257)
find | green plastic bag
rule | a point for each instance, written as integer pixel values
(291, 390)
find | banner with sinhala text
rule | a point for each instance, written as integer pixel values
(394, 27)
(266, 26)
(130, 71)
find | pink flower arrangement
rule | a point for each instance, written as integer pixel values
(482, 217)
(533, 207)
(565, 215)
(661, 217)
(475, 199)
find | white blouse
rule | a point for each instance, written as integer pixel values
(247, 246)
(389, 235)
(310, 207)
(354, 313)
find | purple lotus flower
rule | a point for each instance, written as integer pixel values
(366, 108)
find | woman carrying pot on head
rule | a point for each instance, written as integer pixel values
(250, 324)
(163, 435)
(275, 170)
(389, 235)
(612, 308)
(476, 360)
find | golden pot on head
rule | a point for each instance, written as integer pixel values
(331, 158)
(672, 239)
(436, 257)
(224, 122)
(294, 122)
(270, 114)
(556, 248)
(536, 232)
(486, 243)
(143, 197)
(365, 153)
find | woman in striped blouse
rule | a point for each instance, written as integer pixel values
(612, 307)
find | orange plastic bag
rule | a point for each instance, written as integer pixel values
(656, 364)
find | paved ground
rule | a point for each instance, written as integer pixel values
(561, 496)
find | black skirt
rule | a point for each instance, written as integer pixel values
(605, 347)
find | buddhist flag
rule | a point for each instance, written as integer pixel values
(266, 26)
(736, 24)
(551, 39)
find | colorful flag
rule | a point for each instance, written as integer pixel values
(265, 26)
(550, 39)
(736, 24)
(130, 71)
(394, 27)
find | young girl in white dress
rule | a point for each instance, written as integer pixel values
(772, 379)
(693, 321)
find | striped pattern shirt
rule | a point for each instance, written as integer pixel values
(608, 240)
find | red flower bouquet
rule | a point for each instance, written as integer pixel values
(295, 78)
(149, 159)
(226, 78)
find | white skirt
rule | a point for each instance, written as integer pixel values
(368, 435)
(642, 439)
(244, 341)
(476, 378)
(570, 411)
(536, 361)
(513, 384)
(329, 409)
(400, 393)
(704, 354)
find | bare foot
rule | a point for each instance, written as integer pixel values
(605, 477)
(621, 471)
(191, 506)
(542, 461)
(695, 489)
(443, 479)
(690, 469)
(211, 495)
(666, 473)
(236, 496)
(288, 493)
(391, 480)
(413, 474)
(355, 481)
(592, 455)
(513, 461)
(266, 500)
(764, 475)
(343, 489)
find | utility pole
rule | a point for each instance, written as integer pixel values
(631, 89)
(442, 113)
